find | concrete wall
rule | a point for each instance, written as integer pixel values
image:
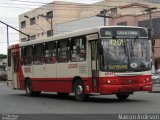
(79, 24)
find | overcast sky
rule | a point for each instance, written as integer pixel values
(9, 11)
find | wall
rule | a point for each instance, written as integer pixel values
(79, 24)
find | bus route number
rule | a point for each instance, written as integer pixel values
(116, 42)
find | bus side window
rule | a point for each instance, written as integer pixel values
(27, 53)
(50, 52)
(38, 54)
(30, 56)
(78, 49)
(23, 55)
(63, 50)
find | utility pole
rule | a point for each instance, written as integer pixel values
(103, 13)
(149, 11)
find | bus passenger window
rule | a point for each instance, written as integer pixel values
(38, 54)
(63, 51)
(50, 52)
(27, 53)
(78, 49)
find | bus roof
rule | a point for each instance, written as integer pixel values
(72, 34)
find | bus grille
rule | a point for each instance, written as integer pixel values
(129, 81)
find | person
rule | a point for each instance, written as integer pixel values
(78, 50)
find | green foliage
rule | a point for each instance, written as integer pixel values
(2, 56)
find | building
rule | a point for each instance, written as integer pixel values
(142, 20)
(79, 24)
(42, 22)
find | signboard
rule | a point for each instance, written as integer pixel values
(123, 32)
(127, 33)
(92, 37)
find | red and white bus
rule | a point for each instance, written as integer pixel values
(104, 60)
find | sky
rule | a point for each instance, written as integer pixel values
(9, 12)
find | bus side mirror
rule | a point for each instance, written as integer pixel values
(100, 48)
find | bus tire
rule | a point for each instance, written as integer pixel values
(79, 91)
(29, 90)
(122, 96)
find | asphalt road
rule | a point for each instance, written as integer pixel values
(16, 102)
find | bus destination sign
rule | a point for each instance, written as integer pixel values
(127, 33)
(120, 32)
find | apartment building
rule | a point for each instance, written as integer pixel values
(43, 21)
(142, 20)
(40, 22)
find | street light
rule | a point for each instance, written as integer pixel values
(9, 26)
(103, 13)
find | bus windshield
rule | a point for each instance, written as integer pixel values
(125, 55)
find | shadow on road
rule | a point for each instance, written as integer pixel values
(92, 99)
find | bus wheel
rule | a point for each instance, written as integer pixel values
(122, 96)
(29, 90)
(28, 86)
(79, 91)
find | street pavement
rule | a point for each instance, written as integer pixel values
(16, 102)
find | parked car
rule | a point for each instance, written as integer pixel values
(3, 74)
(155, 78)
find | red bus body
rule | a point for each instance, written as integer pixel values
(104, 82)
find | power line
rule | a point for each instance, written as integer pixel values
(88, 6)
(44, 3)
(29, 1)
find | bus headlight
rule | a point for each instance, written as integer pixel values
(146, 80)
(109, 82)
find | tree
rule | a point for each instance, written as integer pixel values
(2, 56)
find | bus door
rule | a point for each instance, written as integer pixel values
(13, 69)
(9, 69)
(94, 66)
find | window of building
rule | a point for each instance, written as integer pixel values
(122, 23)
(155, 24)
(50, 52)
(114, 11)
(63, 51)
(49, 33)
(78, 49)
(49, 14)
(33, 21)
(33, 37)
(23, 24)
(38, 53)
(27, 55)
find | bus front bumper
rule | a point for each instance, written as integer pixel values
(113, 89)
